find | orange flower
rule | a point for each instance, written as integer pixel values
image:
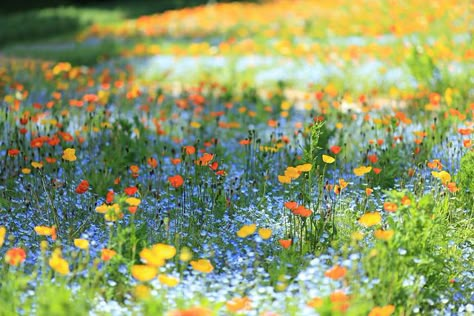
(336, 272)
(340, 300)
(176, 181)
(452, 187)
(82, 187)
(107, 254)
(302, 211)
(134, 169)
(285, 243)
(205, 159)
(390, 206)
(315, 302)
(176, 161)
(386, 310)
(238, 304)
(368, 191)
(189, 150)
(384, 234)
(291, 205)
(152, 162)
(377, 170)
(15, 256)
(193, 311)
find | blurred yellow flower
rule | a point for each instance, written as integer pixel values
(58, 264)
(81, 243)
(144, 273)
(360, 171)
(246, 230)
(132, 201)
(36, 164)
(3, 232)
(265, 233)
(304, 167)
(328, 159)
(202, 265)
(69, 154)
(370, 219)
(168, 280)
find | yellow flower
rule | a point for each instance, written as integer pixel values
(141, 291)
(384, 234)
(265, 233)
(360, 171)
(370, 219)
(292, 172)
(195, 124)
(444, 176)
(246, 230)
(164, 251)
(343, 183)
(168, 280)
(357, 236)
(132, 201)
(202, 265)
(185, 254)
(81, 244)
(26, 170)
(102, 208)
(58, 264)
(143, 272)
(36, 164)
(284, 179)
(3, 232)
(304, 167)
(149, 257)
(328, 159)
(69, 154)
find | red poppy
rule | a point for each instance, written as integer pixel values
(335, 149)
(82, 187)
(13, 152)
(130, 191)
(176, 181)
(109, 198)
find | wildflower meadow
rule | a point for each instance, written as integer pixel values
(278, 157)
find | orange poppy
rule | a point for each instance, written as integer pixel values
(285, 243)
(176, 181)
(15, 256)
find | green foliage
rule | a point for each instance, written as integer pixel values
(465, 178)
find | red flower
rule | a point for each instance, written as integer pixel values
(130, 191)
(82, 187)
(109, 198)
(335, 149)
(13, 152)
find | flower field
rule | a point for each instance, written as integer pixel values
(270, 158)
